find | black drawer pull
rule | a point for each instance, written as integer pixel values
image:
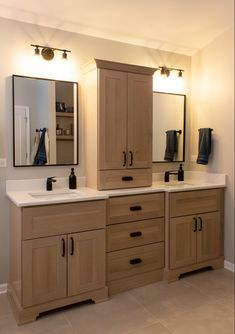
(72, 246)
(200, 223)
(63, 247)
(127, 178)
(135, 234)
(135, 208)
(135, 261)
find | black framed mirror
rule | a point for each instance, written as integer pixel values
(169, 116)
(45, 122)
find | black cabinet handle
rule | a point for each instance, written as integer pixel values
(200, 223)
(63, 247)
(135, 208)
(124, 159)
(72, 246)
(127, 178)
(131, 159)
(135, 234)
(195, 224)
(135, 261)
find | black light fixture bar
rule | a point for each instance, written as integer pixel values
(164, 70)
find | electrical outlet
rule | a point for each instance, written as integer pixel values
(3, 162)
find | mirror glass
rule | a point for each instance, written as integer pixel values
(45, 122)
(168, 127)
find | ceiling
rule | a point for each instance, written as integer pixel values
(181, 26)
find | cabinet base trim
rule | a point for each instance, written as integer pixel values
(171, 275)
(136, 281)
(29, 314)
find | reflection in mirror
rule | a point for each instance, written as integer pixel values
(45, 118)
(168, 127)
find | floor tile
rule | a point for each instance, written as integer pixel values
(50, 323)
(4, 305)
(166, 300)
(210, 318)
(117, 316)
(153, 329)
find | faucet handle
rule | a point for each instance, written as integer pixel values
(51, 178)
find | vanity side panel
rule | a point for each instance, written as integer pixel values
(90, 101)
(15, 275)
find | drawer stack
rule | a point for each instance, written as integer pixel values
(135, 241)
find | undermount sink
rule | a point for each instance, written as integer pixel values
(57, 194)
(173, 184)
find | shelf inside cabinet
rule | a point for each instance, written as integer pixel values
(64, 114)
(64, 137)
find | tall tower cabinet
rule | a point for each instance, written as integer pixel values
(117, 101)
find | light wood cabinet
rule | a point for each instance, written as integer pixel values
(196, 239)
(118, 109)
(54, 269)
(135, 241)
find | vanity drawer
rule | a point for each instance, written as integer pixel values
(47, 220)
(195, 202)
(129, 262)
(135, 207)
(126, 178)
(121, 236)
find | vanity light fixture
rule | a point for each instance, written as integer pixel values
(165, 71)
(47, 52)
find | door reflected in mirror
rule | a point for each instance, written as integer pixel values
(168, 127)
(45, 122)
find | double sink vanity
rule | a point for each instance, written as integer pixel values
(72, 245)
(127, 227)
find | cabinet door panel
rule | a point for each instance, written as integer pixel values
(209, 238)
(139, 121)
(112, 138)
(182, 242)
(86, 261)
(44, 270)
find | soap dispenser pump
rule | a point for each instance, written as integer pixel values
(72, 180)
(181, 173)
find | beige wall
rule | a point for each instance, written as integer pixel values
(17, 58)
(212, 97)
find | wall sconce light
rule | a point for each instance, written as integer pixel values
(47, 52)
(165, 71)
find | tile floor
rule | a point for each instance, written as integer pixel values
(202, 303)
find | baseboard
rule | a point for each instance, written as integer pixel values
(3, 288)
(229, 266)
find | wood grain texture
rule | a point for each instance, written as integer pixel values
(140, 120)
(120, 208)
(195, 202)
(112, 119)
(86, 263)
(121, 236)
(119, 265)
(58, 219)
(113, 179)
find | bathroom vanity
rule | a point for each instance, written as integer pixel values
(72, 245)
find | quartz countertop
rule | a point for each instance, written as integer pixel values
(32, 192)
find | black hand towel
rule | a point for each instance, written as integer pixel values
(171, 145)
(41, 157)
(204, 146)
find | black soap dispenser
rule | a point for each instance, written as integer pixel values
(72, 180)
(181, 173)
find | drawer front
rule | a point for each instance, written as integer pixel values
(135, 260)
(136, 207)
(56, 219)
(126, 178)
(134, 234)
(195, 202)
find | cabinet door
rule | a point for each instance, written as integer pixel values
(112, 121)
(208, 236)
(139, 121)
(44, 270)
(86, 261)
(183, 238)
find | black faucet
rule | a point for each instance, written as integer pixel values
(168, 173)
(179, 173)
(49, 182)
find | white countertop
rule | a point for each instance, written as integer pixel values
(32, 192)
